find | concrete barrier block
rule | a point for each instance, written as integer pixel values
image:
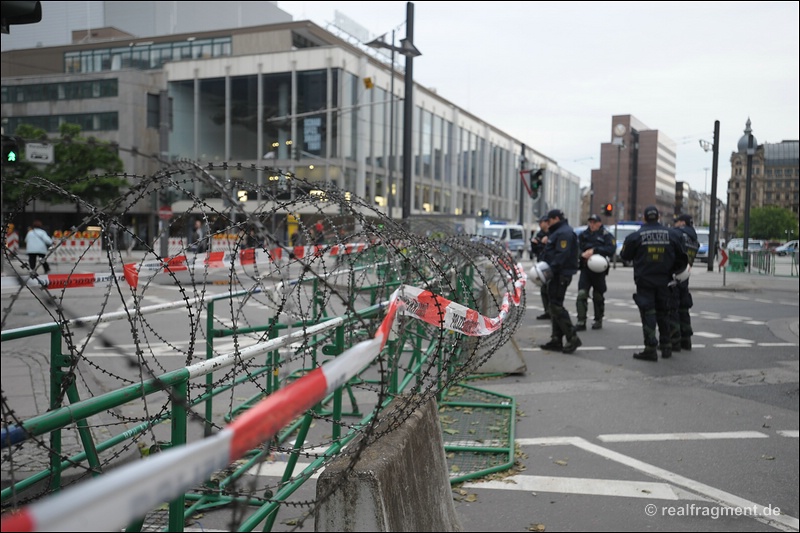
(507, 359)
(399, 483)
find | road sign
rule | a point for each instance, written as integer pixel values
(165, 212)
(724, 256)
(39, 153)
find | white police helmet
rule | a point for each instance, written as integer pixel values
(597, 263)
(684, 274)
(541, 273)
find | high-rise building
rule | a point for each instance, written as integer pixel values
(637, 169)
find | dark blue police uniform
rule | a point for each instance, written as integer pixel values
(657, 253)
(561, 254)
(603, 243)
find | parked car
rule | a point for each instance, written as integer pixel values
(753, 245)
(787, 248)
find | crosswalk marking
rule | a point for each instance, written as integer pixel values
(763, 514)
(578, 485)
(649, 437)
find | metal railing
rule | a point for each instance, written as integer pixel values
(410, 358)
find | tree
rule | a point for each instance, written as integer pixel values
(771, 223)
(82, 167)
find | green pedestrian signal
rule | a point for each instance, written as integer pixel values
(10, 149)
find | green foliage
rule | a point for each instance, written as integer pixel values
(771, 223)
(82, 166)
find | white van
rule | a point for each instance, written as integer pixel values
(510, 236)
(625, 229)
(702, 238)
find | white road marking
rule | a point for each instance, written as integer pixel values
(633, 437)
(772, 344)
(707, 334)
(577, 485)
(732, 345)
(792, 433)
(736, 339)
(764, 514)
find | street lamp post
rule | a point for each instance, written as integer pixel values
(408, 114)
(389, 192)
(747, 145)
(713, 223)
(408, 50)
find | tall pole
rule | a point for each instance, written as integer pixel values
(713, 223)
(750, 151)
(616, 194)
(408, 115)
(522, 189)
(391, 136)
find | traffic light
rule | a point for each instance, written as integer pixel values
(21, 12)
(11, 155)
(608, 210)
(536, 182)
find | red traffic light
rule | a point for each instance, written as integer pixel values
(608, 209)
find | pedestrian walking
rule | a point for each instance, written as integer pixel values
(561, 255)
(130, 239)
(595, 240)
(37, 243)
(199, 238)
(12, 239)
(538, 240)
(319, 233)
(680, 320)
(657, 253)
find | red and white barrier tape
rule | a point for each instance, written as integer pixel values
(114, 500)
(181, 263)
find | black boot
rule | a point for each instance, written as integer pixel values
(599, 302)
(553, 346)
(648, 354)
(572, 344)
(545, 316)
(686, 343)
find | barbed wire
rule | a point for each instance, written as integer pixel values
(350, 257)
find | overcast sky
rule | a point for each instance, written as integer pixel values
(552, 74)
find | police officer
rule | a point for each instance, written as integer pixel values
(561, 254)
(657, 253)
(595, 240)
(680, 321)
(537, 247)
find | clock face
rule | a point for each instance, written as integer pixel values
(619, 130)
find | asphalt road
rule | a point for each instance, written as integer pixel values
(705, 441)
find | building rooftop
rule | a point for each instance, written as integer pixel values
(782, 154)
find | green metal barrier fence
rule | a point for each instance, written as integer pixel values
(763, 262)
(324, 336)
